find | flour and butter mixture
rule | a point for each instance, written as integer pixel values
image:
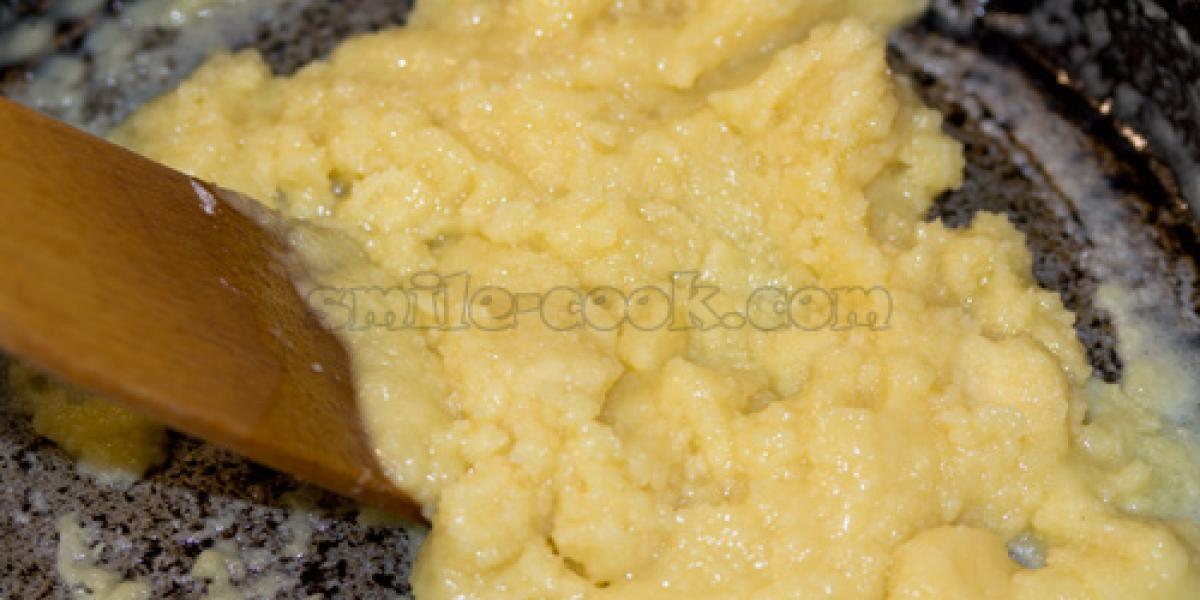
(539, 144)
(110, 443)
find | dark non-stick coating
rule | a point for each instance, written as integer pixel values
(1080, 122)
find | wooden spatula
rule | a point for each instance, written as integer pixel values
(147, 286)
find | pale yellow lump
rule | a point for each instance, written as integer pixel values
(542, 143)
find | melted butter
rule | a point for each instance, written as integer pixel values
(76, 9)
(123, 54)
(26, 40)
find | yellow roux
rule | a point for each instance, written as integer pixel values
(533, 144)
(113, 444)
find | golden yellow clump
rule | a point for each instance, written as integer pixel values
(537, 145)
(110, 442)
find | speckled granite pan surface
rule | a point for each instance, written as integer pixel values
(1079, 118)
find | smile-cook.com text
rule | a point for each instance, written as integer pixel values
(449, 302)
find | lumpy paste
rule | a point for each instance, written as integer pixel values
(929, 451)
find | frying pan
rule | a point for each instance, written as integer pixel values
(1081, 122)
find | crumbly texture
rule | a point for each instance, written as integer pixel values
(76, 565)
(226, 577)
(536, 144)
(111, 443)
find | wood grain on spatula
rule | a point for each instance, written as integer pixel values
(140, 283)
